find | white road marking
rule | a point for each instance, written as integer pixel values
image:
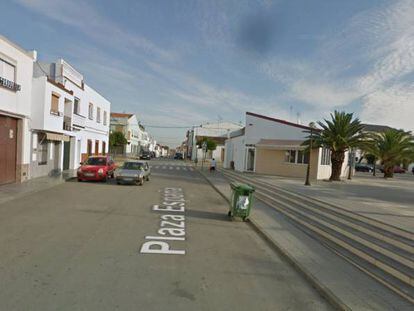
(178, 168)
(171, 168)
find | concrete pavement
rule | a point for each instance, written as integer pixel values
(13, 191)
(76, 246)
(335, 277)
(386, 200)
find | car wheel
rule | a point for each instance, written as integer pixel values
(118, 182)
(79, 180)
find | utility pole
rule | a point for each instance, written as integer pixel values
(307, 181)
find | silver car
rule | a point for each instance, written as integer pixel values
(133, 172)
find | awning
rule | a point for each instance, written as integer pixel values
(280, 144)
(57, 137)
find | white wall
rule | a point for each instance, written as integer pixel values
(19, 102)
(259, 128)
(235, 151)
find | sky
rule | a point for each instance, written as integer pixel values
(182, 63)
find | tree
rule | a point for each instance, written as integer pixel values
(339, 134)
(211, 144)
(117, 139)
(392, 147)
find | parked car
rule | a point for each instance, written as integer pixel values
(98, 168)
(361, 167)
(397, 170)
(133, 172)
(178, 156)
(145, 155)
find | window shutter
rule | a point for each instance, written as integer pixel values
(55, 103)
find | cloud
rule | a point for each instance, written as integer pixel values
(86, 19)
(369, 61)
(393, 105)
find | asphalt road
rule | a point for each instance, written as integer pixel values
(77, 246)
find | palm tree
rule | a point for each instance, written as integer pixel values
(392, 147)
(339, 134)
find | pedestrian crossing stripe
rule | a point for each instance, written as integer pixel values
(177, 167)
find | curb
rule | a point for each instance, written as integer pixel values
(325, 292)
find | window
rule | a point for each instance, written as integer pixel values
(76, 106)
(98, 114)
(325, 156)
(303, 157)
(96, 161)
(297, 156)
(54, 107)
(290, 156)
(90, 112)
(7, 71)
(42, 151)
(105, 116)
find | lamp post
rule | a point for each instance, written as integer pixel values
(351, 162)
(307, 181)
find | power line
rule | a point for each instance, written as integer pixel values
(168, 127)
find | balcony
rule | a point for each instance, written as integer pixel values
(78, 120)
(67, 123)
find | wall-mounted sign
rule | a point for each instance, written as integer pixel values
(9, 84)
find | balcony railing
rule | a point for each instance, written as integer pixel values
(67, 123)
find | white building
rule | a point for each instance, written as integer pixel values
(217, 131)
(16, 70)
(273, 146)
(70, 120)
(127, 123)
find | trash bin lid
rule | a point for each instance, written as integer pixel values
(241, 187)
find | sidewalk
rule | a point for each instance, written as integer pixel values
(13, 191)
(342, 284)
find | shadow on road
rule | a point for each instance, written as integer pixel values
(207, 215)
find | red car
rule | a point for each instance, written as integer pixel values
(97, 168)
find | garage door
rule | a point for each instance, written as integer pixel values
(8, 143)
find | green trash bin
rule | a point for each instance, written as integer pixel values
(241, 200)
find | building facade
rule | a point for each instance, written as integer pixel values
(138, 140)
(70, 120)
(217, 131)
(273, 146)
(16, 70)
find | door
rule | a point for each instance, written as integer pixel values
(96, 147)
(103, 148)
(250, 159)
(8, 145)
(89, 151)
(79, 153)
(66, 155)
(56, 154)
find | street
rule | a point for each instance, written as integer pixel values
(76, 246)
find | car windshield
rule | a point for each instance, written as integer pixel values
(96, 161)
(132, 166)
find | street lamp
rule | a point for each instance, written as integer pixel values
(307, 181)
(350, 162)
